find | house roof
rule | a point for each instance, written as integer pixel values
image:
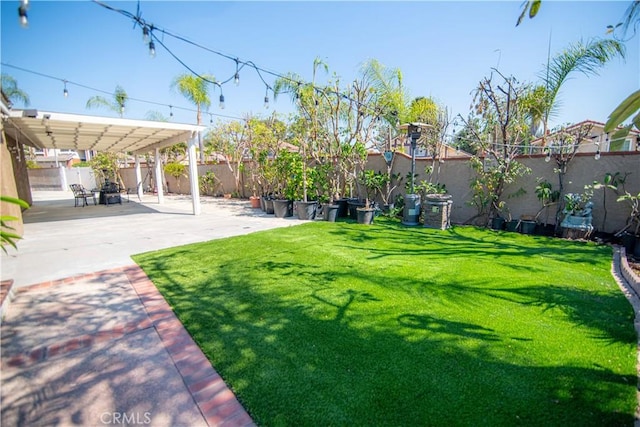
(43, 129)
(593, 123)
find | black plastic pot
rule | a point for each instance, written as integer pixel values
(628, 241)
(282, 208)
(330, 212)
(528, 227)
(354, 204)
(365, 215)
(497, 223)
(268, 205)
(306, 210)
(512, 225)
(343, 207)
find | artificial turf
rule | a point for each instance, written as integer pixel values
(343, 324)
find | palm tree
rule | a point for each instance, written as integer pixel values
(388, 83)
(196, 90)
(579, 57)
(12, 91)
(117, 105)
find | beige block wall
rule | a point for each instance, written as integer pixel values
(456, 174)
(583, 169)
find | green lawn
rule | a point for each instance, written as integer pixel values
(344, 324)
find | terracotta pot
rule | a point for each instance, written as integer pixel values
(255, 202)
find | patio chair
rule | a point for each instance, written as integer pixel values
(81, 194)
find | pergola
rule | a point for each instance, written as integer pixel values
(42, 129)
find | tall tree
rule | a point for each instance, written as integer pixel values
(117, 105)
(498, 128)
(13, 92)
(586, 58)
(196, 90)
(630, 106)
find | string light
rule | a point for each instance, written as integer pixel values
(221, 105)
(170, 110)
(145, 34)
(65, 92)
(152, 49)
(266, 98)
(597, 156)
(22, 13)
(236, 77)
(108, 93)
(547, 158)
(137, 19)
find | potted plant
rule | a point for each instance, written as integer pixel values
(372, 183)
(630, 233)
(577, 211)
(288, 166)
(548, 197)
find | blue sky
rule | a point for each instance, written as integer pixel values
(443, 49)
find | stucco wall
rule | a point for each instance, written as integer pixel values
(456, 174)
(583, 169)
(8, 188)
(19, 164)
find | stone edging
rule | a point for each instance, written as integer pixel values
(629, 284)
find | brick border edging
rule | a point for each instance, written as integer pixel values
(630, 286)
(6, 295)
(627, 272)
(217, 403)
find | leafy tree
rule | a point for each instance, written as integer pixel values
(630, 106)
(13, 92)
(117, 105)
(563, 149)
(105, 165)
(230, 140)
(498, 128)
(308, 131)
(176, 170)
(196, 90)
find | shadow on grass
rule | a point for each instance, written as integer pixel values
(300, 351)
(460, 241)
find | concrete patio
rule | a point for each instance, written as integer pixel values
(88, 339)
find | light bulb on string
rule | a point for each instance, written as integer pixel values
(22, 14)
(145, 34)
(266, 98)
(210, 119)
(548, 157)
(65, 92)
(170, 111)
(236, 77)
(152, 49)
(597, 156)
(221, 104)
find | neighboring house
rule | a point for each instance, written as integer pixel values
(597, 139)
(53, 158)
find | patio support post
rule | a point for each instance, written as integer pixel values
(63, 178)
(193, 173)
(159, 186)
(138, 178)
